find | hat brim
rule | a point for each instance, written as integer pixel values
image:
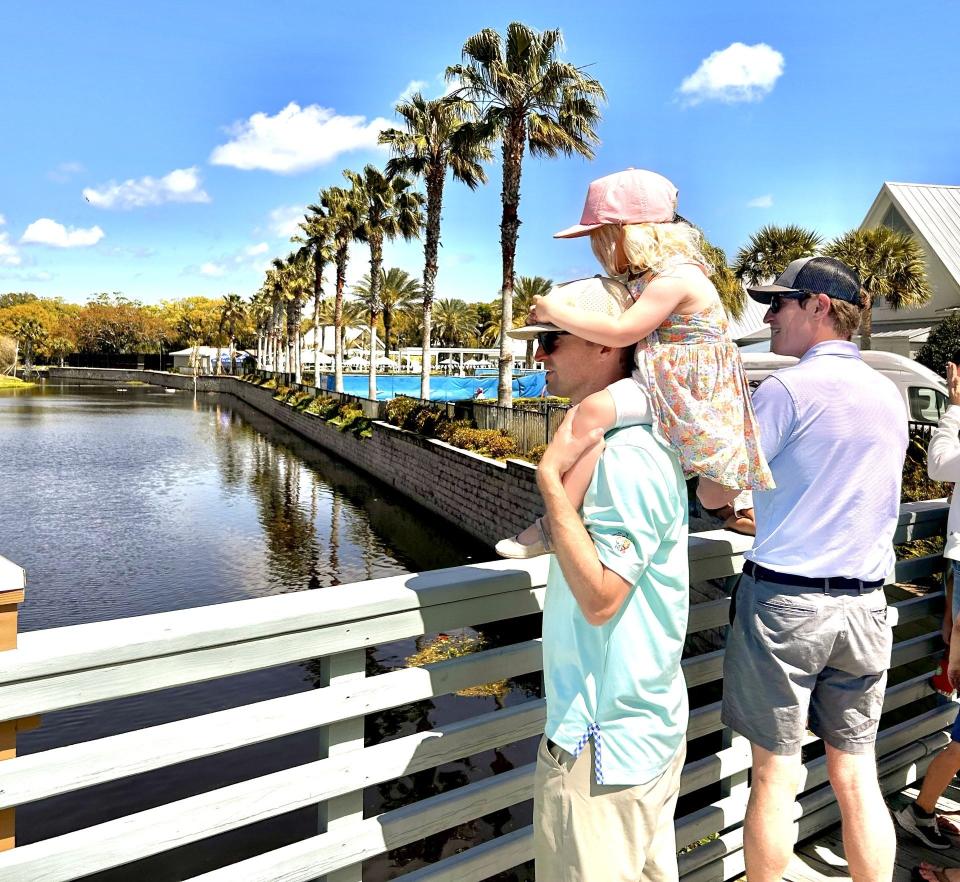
(764, 293)
(576, 231)
(528, 332)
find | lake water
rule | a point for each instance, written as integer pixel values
(124, 503)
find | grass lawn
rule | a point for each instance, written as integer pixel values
(14, 383)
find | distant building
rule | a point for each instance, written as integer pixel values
(930, 213)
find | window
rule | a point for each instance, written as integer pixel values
(926, 405)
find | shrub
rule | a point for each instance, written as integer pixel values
(941, 346)
(399, 410)
(534, 454)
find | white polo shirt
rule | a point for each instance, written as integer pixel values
(834, 432)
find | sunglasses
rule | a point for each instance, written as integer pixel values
(776, 300)
(548, 340)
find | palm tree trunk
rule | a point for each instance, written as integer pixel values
(338, 333)
(513, 143)
(425, 367)
(387, 325)
(431, 247)
(866, 326)
(376, 263)
(529, 361)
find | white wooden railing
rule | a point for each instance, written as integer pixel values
(67, 667)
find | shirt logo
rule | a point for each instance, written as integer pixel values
(621, 543)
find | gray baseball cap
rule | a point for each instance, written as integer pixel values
(821, 275)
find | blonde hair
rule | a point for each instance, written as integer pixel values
(636, 248)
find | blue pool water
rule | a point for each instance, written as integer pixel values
(441, 388)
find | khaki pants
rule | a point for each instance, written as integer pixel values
(589, 832)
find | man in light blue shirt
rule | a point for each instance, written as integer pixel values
(614, 622)
(809, 643)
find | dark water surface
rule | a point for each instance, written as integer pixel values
(124, 503)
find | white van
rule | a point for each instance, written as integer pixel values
(924, 392)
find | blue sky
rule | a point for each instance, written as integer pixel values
(166, 150)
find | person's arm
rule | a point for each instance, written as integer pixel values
(953, 663)
(599, 591)
(946, 627)
(660, 298)
(943, 452)
(776, 415)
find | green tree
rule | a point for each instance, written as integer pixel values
(891, 268)
(232, 314)
(29, 334)
(343, 211)
(292, 283)
(454, 322)
(527, 288)
(438, 135)
(529, 99)
(387, 208)
(731, 292)
(770, 250)
(398, 291)
(943, 345)
(316, 239)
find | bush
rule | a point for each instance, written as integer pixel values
(535, 454)
(399, 410)
(941, 346)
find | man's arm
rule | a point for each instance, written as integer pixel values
(943, 452)
(598, 590)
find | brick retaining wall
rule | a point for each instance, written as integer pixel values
(484, 497)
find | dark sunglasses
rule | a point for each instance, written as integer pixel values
(548, 340)
(776, 300)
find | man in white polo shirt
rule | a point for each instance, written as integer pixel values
(810, 645)
(614, 622)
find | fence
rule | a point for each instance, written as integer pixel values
(86, 664)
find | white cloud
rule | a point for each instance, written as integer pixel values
(64, 171)
(255, 250)
(211, 269)
(737, 73)
(181, 185)
(285, 220)
(765, 201)
(411, 89)
(296, 139)
(8, 251)
(45, 231)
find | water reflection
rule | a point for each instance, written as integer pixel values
(127, 503)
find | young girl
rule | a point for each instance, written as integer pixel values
(688, 380)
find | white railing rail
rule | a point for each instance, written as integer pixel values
(79, 665)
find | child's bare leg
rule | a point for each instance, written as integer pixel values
(595, 411)
(714, 495)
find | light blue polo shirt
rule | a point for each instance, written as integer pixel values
(621, 683)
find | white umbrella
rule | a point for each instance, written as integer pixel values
(323, 358)
(387, 361)
(448, 361)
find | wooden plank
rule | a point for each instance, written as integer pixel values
(305, 860)
(480, 862)
(101, 644)
(913, 569)
(65, 769)
(126, 839)
(23, 697)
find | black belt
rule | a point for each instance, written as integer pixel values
(833, 583)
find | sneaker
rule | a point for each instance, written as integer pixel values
(925, 829)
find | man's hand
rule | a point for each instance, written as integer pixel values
(953, 382)
(566, 448)
(540, 309)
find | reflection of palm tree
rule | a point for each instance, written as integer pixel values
(528, 97)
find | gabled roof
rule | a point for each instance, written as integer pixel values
(932, 211)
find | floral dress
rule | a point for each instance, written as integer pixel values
(699, 396)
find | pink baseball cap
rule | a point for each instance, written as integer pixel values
(634, 196)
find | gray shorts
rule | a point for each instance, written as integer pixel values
(797, 656)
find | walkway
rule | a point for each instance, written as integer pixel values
(822, 858)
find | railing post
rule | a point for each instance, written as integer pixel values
(338, 738)
(12, 584)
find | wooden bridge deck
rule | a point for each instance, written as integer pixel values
(821, 857)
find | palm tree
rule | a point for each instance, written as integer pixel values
(293, 282)
(527, 98)
(316, 227)
(454, 321)
(343, 212)
(731, 292)
(29, 333)
(438, 135)
(352, 313)
(232, 313)
(387, 209)
(260, 314)
(891, 268)
(526, 289)
(770, 251)
(398, 291)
